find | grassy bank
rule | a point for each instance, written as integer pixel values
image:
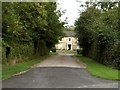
(10, 70)
(100, 70)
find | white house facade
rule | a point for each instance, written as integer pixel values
(69, 42)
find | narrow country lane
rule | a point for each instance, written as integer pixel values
(59, 71)
(62, 60)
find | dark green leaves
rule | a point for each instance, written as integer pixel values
(98, 32)
(31, 22)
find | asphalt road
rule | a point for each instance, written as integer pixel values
(57, 77)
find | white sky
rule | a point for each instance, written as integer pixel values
(71, 7)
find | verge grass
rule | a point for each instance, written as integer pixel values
(11, 70)
(99, 70)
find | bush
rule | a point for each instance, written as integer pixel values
(53, 49)
(18, 52)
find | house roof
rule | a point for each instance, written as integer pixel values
(69, 33)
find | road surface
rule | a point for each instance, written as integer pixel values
(59, 71)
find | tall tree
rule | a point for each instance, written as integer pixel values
(98, 33)
(32, 22)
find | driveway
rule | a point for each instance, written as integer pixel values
(62, 60)
(59, 71)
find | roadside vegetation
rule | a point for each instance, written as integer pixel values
(29, 30)
(99, 70)
(11, 70)
(98, 33)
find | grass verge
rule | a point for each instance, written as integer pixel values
(11, 70)
(100, 70)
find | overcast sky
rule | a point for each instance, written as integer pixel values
(72, 8)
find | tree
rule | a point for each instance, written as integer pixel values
(35, 24)
(98, 33)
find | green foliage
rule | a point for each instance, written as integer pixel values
(31, 28)
(18, 52)
(100, 70)
(98, 33)
(41, 48)
(10, 70)
(53, 49)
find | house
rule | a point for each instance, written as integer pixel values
(69, 42)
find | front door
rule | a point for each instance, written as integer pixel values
(69, 46)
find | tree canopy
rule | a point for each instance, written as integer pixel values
(32, 22)
(99, 33)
